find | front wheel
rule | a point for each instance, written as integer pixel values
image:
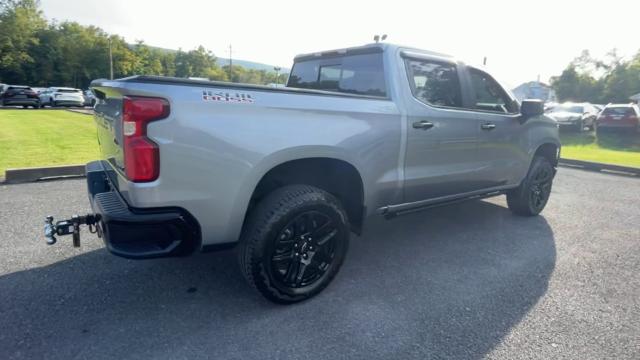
(532, 195)
(294, 243)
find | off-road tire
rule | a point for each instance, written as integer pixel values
(267, 225)
(525, 200)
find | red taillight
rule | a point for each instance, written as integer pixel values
(141, 155)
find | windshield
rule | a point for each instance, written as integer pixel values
(569, 108)
(623, 111)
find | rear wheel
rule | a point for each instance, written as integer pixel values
(531, 196)
(294, 243)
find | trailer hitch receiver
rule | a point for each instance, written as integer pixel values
(70, 227)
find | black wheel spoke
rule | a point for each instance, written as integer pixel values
(282, 257)
(300, 273)
(323, 240)
(322, 256)
(292, 271)
(311, 224)
(319, 231)
(299, 226)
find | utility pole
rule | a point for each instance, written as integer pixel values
(230, 63)
(277, 69)
(110, 61)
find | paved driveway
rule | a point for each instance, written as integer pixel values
(464, 281)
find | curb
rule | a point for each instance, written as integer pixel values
(81, 111)
(594, 166)
(17, 176)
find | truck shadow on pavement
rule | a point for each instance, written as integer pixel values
(449, 282)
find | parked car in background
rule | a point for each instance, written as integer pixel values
(19, 95)
(548, 106)
(38, 90)
(61, 96)
(625, 117)
(89, 98)
(575, 115)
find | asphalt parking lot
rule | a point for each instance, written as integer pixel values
(466, 281)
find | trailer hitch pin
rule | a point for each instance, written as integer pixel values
(68, 227)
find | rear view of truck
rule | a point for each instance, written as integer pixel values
(132, 159)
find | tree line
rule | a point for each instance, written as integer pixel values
(37, 52)
(599, 81)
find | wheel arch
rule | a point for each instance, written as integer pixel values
(548, 150)
(333, 174)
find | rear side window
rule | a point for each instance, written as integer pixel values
(434, 82)
(354, 74)
(489, 95)
(68, 90)
(621, 111)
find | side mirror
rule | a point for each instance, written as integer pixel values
(531, 107)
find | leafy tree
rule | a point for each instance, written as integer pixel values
(45, 53)
(19, 23)
(580, 82)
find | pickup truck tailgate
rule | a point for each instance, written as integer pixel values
(108, 117)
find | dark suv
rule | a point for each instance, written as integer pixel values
(19, 95)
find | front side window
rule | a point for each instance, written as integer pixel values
(489, 95)
(361, 74)
(434, 82)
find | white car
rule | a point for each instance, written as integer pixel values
(61, 96)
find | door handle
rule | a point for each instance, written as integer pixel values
(488, 126)
(424, 125)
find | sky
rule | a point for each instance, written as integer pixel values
(520, 39)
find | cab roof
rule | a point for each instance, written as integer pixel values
(368, 48)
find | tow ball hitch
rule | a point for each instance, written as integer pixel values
(70, 227)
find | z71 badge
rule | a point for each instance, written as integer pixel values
(223, 96)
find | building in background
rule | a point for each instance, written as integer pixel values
(535, 90)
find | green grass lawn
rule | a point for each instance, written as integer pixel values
(45, 137)
(618, 149)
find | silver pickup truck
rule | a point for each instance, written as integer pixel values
(288, 173)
